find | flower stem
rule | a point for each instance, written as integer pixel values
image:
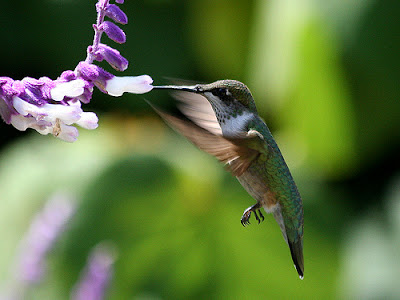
(101, 12)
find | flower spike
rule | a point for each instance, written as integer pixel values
(54, 106)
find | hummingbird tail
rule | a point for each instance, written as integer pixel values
(296, 250)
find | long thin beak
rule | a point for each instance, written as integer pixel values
(186, 88)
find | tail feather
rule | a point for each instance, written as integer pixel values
(296, 250)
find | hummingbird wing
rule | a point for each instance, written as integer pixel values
(196, 108)
(233, 153)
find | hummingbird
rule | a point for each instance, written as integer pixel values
(221, 119)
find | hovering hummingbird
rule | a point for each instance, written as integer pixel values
(222, 120)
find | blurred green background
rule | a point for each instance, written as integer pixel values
(325, 76)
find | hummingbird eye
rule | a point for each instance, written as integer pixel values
(219, 92)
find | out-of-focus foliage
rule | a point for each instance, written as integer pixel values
(302, 80)
(325, 78)
(175, 221)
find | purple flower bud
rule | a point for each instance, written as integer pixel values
(115, 13)
(113, 32)
(112, 56)
(6, 94)
(94, 74)
(34, 91)
(119, 1)
(67, 76)
(6, 89)
(47, 85)
(87, 94)
(88, 72)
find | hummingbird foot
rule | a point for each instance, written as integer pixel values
(247, 213)
(259, 219)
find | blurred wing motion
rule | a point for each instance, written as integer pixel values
(196, 108)
(203, 130)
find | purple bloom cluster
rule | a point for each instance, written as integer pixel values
(97, 275)
(45, 228)
(53, 106)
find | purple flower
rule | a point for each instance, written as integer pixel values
(97, 275)
(45, 228)
(54, 106)
(48, 106)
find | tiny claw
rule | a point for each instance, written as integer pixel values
(245, 218)
(256, 216)
(247, 213)
(261, 215)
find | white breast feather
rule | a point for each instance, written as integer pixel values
(233, 124)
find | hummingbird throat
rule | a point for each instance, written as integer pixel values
(231, 116)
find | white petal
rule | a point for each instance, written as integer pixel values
(53, 118)
(22, 123)
(67, 113)
(72, 89)
(88, 120)
(130, 84)
(49, 112)
(44, 131)
(24, 107)
(68, 133)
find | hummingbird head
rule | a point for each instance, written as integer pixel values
(231, 94)
(225, 96)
